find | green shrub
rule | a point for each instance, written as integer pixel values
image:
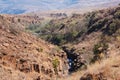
(90, 18)
(98, 50)
(39, 49)
(112, 28)
(32, 27)
(57, 39)
(117, 14)
(70, 36)
(55, 63)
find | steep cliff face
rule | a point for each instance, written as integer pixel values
(26, 54)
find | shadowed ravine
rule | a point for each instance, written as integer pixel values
(75, 60)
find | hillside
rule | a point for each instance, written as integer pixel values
(107, 69)
(86, 39)
(76, 27)
(77, 47)
(23, 56)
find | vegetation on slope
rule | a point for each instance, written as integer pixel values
(70, 29)
(85, 38)
(27, 56)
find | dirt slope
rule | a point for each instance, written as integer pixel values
(23, 56)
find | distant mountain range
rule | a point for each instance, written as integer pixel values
(23, 6)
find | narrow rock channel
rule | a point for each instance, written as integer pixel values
(75, 60)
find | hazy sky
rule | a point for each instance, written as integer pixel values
(20, 6)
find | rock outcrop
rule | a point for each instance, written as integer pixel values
(29, 55)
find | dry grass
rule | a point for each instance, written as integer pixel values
(110, 68)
